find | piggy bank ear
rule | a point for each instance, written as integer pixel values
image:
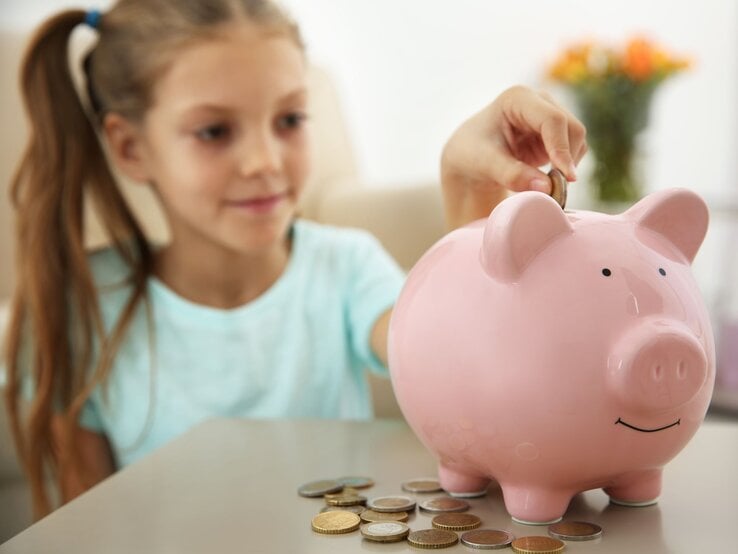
(679, 215)
(517, 230)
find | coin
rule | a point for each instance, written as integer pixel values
(575, 530)
(444, 504)
(432, 538)
(371, 516)
(537, 545)
(346, 500)
(487, 539)
(385, 531)
(558, 187)
(356, 482)
(319, 488)
(422, 485)
(347, 491)
(358, 509)
(391, 503)
(456, 522)
(334, 523)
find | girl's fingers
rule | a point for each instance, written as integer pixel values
(503, 168)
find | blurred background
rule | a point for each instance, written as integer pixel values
(409, 72)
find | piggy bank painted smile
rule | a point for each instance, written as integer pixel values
(557, 352)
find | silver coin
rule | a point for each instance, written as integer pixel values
(487, 539)
(391, 504)
(356, 482)
(422, 485)
(319, 488)
(385, 531)
(444, 504)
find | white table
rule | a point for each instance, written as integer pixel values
(230, 486)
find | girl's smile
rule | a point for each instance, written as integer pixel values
(258, 205)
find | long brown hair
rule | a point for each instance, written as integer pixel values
(55, 320)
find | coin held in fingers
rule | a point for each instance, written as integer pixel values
(558, 187)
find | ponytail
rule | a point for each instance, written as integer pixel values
(55, 314)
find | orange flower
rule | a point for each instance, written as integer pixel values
(638, 62)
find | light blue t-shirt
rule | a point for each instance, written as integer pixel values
(297, 351)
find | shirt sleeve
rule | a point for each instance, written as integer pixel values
(374, 285)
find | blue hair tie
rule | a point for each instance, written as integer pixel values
(92, 18)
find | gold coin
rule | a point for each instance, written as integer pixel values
(346, 500)
(444, 504)
(575, 530)
(385, 531)
(537, 545)
(358, 509)
(391, 504)
(334, 523)
(371, 516)
(456, 522)
(422, 485)
(558, 187)
(356, 482)
(319, 488)
(432, 538)
(487, 539)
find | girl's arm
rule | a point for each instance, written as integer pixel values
(501, 148)
(378, 339)
(96, 457)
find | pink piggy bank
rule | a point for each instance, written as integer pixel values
(557, 352)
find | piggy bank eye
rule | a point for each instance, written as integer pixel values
(662, 271)
(606, 272)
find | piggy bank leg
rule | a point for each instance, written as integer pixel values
(535, 506)
(458, 483)
(639, 488)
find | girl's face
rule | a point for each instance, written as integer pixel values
(225, 143)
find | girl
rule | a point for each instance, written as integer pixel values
(248, 311)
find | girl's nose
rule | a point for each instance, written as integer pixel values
(260, 154)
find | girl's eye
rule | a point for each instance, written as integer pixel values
(293, 120)
(213, 133)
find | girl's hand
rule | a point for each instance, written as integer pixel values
(500, 148)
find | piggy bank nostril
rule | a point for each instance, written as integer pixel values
(658, 373)
(681, 370)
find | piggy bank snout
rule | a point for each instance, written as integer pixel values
(657, 367)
